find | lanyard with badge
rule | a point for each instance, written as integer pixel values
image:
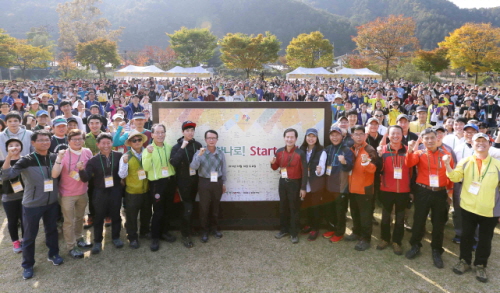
(214, 175)
(397, 164)
(73, 173)
(284, 173)
(434, 178)
(191, 170)
(164, 170)
(333, 157)
(490, 112)
(476, 185)
(48, 183)
(140, 173)
(16, 185)
(108, 180)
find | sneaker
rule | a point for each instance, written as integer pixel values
(436, 258)
(97, 248)
(107, 222)
(17, 247)
(89, 224)
(306, 229)
(461, 267)
(481, 275)
(134, 244)
(187, 242)
(83, 244)
(336, 238)
(280, 234)
(456, 239)
(398, 250)
(312, 236)
(55, 259)
(118, 243)
(382, 245)
(76, 252)
(294, 239)
(155, 245)
(328, 234)
(28, 273)
(362, 245)
(413, 252)
(351, 237)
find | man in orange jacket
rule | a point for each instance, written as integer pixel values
(361, 188)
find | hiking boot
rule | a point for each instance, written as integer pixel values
(336, 238)
(204, 237)
(28, 273)
(134, 244)
(382, 245)
(461, 267)
(118, 243)
(328, 234)
(107, 222)
(481, 275)
(89, 224)
(362, 245)
(280, 234)
(217, 234)
(294, 239)
(312, 235)
(97, 248)
(155, 245)
(83, 244)
(55, 259)
(413, 252)
(436, 258)
(16, 246)
(76, 252)
(398, 250)
(306, 229)
(351, 237)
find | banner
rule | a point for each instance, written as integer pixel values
(249, 136)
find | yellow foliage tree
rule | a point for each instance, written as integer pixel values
(309, 50)
(248, 52)
(66, 63)
(27, 56)
(475, 46)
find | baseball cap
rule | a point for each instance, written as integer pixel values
(373, 119)
(34, 101)
(312, 131)
(71, 119)
(479, 135)
(343, 117)
(335, 128)
(41, 112)
(474, 126)
(188, 124)
(138, 115)
(116, 116)
(402, 116)
(421, 109)
(59, 121)
(440, 128)
(467, 99)
(95, 106)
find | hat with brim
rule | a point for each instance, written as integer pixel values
(480, 135)
(470, 125)
(117, 116)
(402, 116)
(133, 134)
(42, 112)
(188, 124)
(59, 121)
(335, 129)
(439, 128)
(373, 119)
(312, 131)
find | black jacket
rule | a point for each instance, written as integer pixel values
(181, 158)
(317, 183)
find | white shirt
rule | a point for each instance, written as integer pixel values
(382, 129)
(453, 141)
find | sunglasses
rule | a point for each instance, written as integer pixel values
(136, 140)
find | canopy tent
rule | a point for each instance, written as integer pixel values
(304, 73)
(193, 72)
(132, 71)
(361, 72)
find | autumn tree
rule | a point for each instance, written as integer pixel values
(98, 53)
(66, 63)
(475, 46)
(27, 56)
(387, 40)
(248, 52)
(193, 46)
(431, 62)
(6, 48)
(163, 58)
(80, 22)
(309, 50)
(137, 58)
(355, 61)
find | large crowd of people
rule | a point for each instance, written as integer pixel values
(69, 145)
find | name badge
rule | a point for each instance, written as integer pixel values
(74, 175)
(284, 174)
(164, 171)
(108, 181)
(48, 185)
(192, 172)
(141, 174)
(328, 170)
(434, 180)
(490, 115)
(17, 186)
(214, 176)
(474, 187)
(398, 173)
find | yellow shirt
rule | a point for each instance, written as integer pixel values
(416, 127)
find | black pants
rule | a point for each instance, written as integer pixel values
(289, 192)
(107, 202)
(362, 213)
(90, 192)
(31, 223)
(14, 211)
(314, 210)
(426, 200)
(398, 201)
(486, 230)
(338, 211)
(161, 193)
(137, 203)
(210, 195)
(188, 188)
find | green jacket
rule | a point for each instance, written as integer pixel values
(155, 161)
(91, 143)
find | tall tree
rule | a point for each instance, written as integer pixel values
(99, 53)
(40, 37)
(248, 52)
(309, 50)
(6, 48)
(475, 46)
(431, 61)
(163, 58)
(80, 22)
(66, 63)
(387, 40)
(27, 56)
(355, 61)
(193, 46)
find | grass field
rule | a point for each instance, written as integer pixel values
(244, 261)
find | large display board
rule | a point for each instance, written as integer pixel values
(249, 135)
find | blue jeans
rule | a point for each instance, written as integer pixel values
(31, 222)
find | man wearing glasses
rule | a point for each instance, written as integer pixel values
(380, 117)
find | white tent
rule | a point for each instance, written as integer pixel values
(193, 72)
(361, 72)
(305, 73)
(133, 71)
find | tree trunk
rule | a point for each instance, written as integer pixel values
(248, 72)
(430, 75)
(23, 72)
(475, 79)
(387, 69)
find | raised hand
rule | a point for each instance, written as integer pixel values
(273, 160)
(318, 169)
(202, 151)
(125, 158)
(61, 153)
(184, 144)
(342, 159)
(79, 165)
(150, 148)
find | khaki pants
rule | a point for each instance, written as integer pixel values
(73, 210)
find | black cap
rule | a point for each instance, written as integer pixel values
(188, 124)
(421, 109)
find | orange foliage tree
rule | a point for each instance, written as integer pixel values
(164, 58)
(356, 61)
(66, 63)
